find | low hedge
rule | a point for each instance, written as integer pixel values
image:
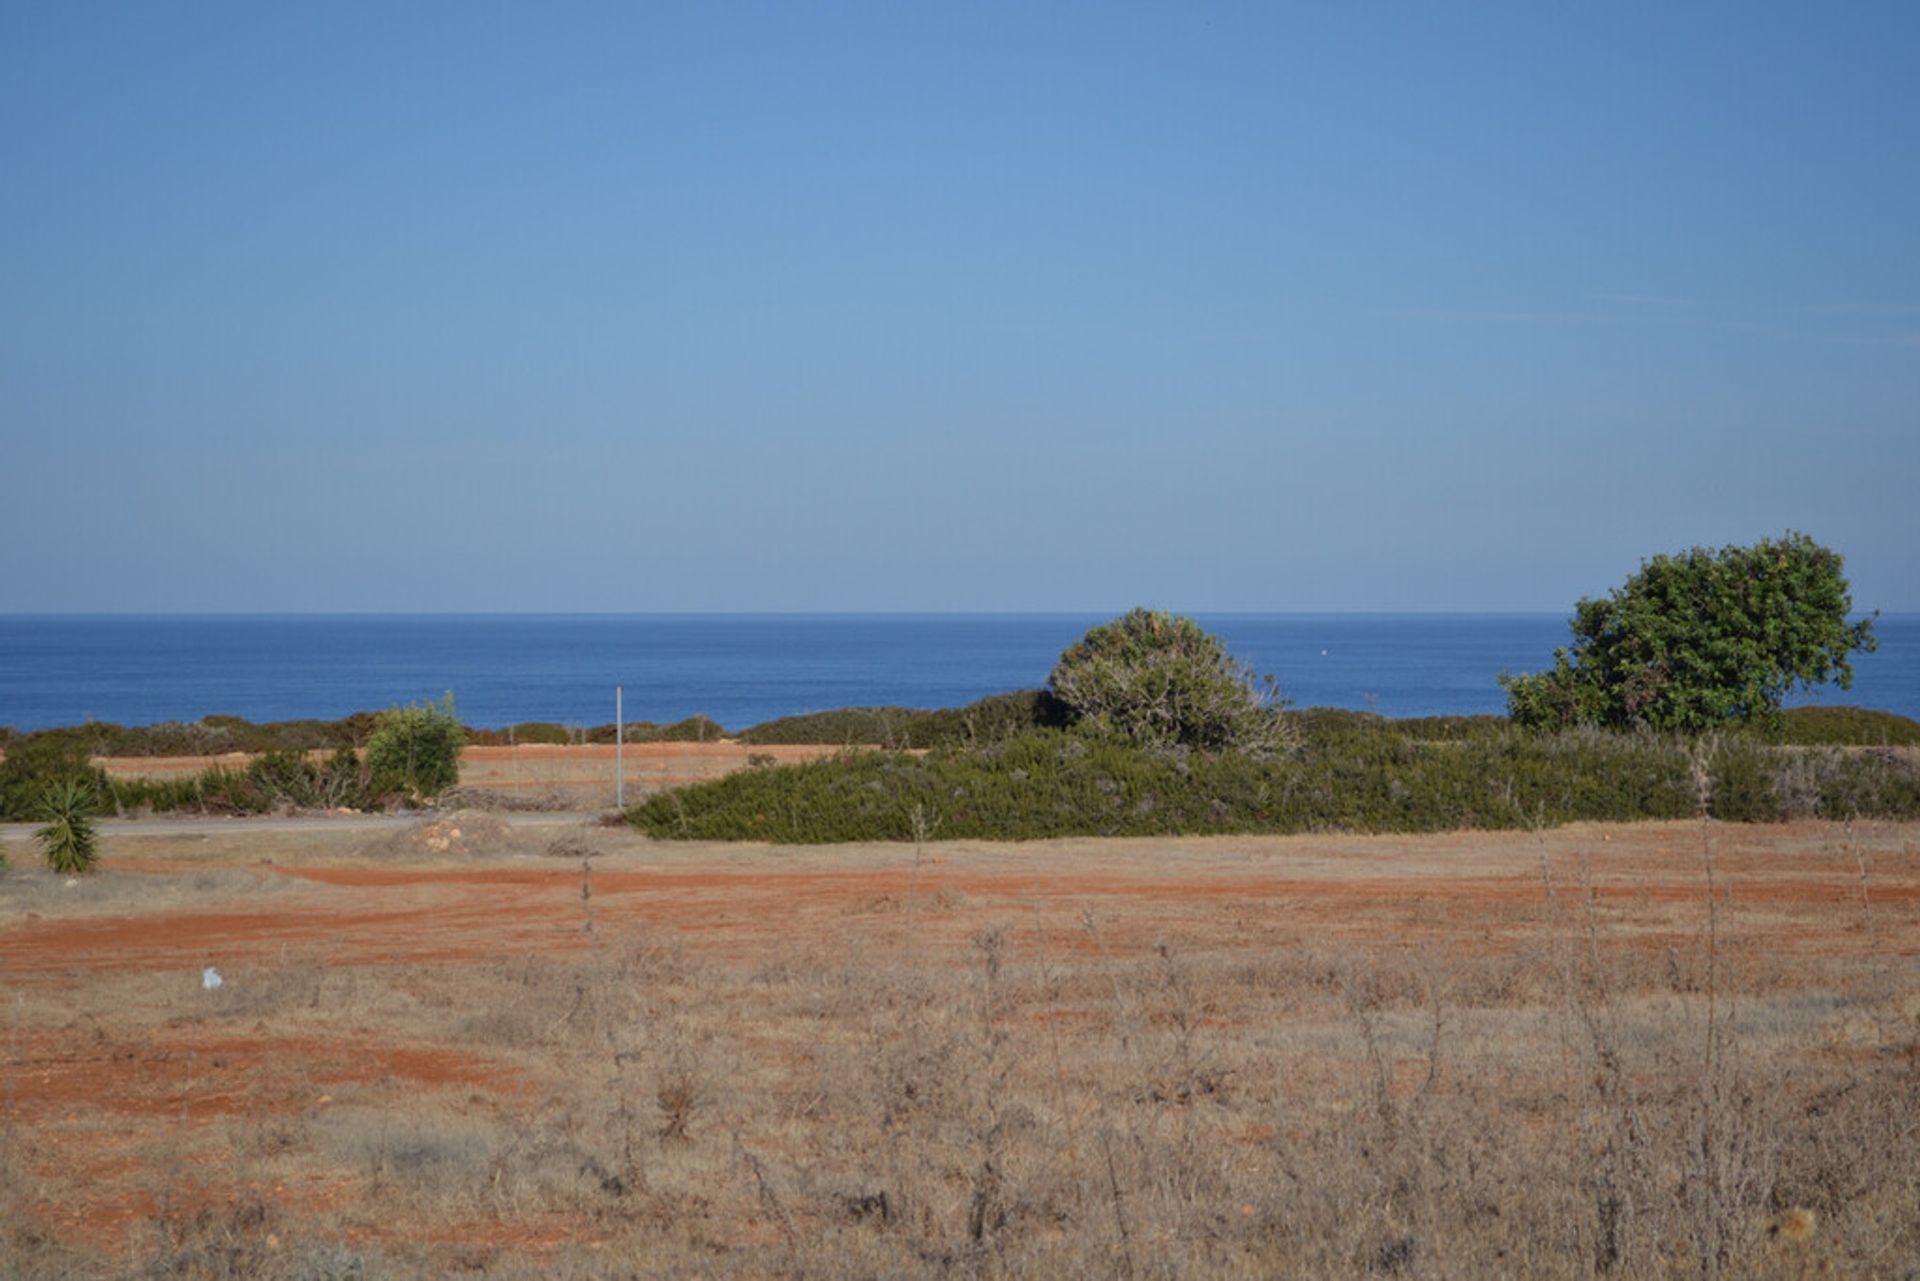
(1051, 783)
(989, 720)
(1859, 726)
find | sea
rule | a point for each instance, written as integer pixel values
(742, 669)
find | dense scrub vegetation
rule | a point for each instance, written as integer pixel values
(269, 782)
(39, 765)
(416, 749)
(1031, 764)
(219, 735)
(209, 736)
(989, 720)
(1694, 641)
(1860, 726)
(1160, 680)
(1362, 777)
(694, 729)
(1149, 727)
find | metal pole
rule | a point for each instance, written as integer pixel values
(619, 750)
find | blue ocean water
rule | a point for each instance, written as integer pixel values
(743, 669)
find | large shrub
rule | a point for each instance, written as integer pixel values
(416, 749)
(36, 765)
(1699, 639)
(1160, 680)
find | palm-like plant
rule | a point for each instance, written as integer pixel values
(69, 837)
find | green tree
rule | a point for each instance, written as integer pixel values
(416, 749)
(1163, 681)
(1699, 639)
(69, 839)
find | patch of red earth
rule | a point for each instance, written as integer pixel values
(1473, 892)
(199, 1078)
(150, 1202)
(538, 1234)
(446, 914)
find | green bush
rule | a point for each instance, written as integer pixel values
(214, 791)
(987, 720)
(68, 839)
(842, 727)
(293, 779)
(540, 732)
(1694, 641)
(209, 736)
(1859, 726)
(416, 749)
(1159, 680)
(36, 765)
(274, 780)
(1357, 777)
(694, 729)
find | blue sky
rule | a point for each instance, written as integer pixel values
(646, 307)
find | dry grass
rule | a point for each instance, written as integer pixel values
(1617, 1072)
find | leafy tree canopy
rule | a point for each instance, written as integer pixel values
(1163, 681)
(1698, 639)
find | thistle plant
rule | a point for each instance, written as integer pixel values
(69, 838)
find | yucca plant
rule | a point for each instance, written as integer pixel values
(69, 837)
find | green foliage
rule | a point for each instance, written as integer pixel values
(35, 765)
(416, 749)
(210, 736)
(69, 839)
(988, 720)
(698, 728)
(694, 729)
(293, 778)
(845, 726)
(1357, 777)
(993, 719)
(1694, 641)
(1817, 726)
(1159, 680)
(273, 781)
(214, 791)
(525, 732)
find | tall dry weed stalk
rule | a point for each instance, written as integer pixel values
(986, 1208)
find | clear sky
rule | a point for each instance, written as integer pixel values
(727, 306)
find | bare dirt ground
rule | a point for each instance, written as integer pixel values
(573, 776)
(473, 1050)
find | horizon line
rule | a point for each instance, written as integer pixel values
(10, 615)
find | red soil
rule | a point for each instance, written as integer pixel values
(1456, 893)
